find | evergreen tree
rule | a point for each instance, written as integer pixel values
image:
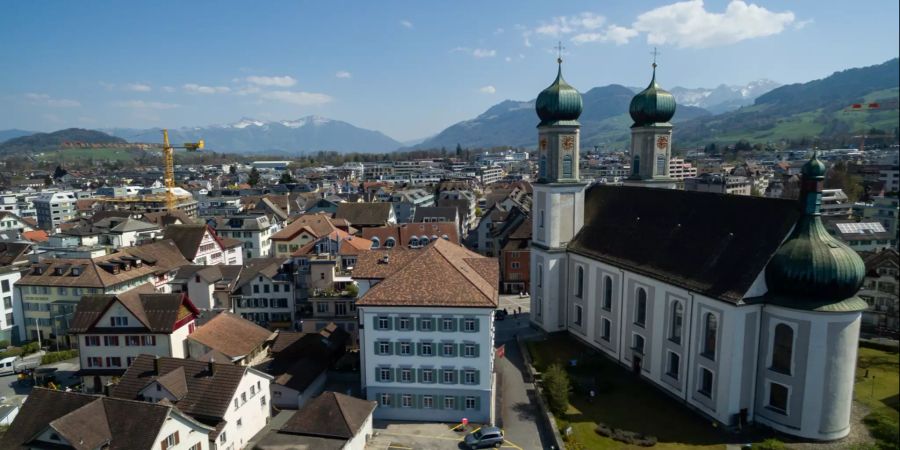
(232, 170)
(286, 178)
(556, 387)
(254, 177)
(458, 150)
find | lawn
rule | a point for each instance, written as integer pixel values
(880, 391)
(623, 402)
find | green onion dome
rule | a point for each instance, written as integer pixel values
(811, 264)
(560, 103)
(652, 105)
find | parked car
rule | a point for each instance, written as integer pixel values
(485, 437)
(6, 365)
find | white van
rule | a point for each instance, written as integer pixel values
(7, 365)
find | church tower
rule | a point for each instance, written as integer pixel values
(651, 137)
(558, 210)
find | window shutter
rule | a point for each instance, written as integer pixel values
(460, 402)
(112, 321)
(176, 438)
(477, 350)
(418, 401)
(374, 322)
(418, 323)
(477, 376)
(396, 323)
(438, 402)
(440, 376)
(396, 348)
(395, 400)
(477, 324)
(377, 347)
(478, 403)
(396, 373)
(458, 376)
(163, 445)
(418, 375)
(419, 348)
(453, 325)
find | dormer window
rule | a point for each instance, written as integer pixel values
(118, 321)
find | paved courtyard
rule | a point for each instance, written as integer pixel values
(421, 436)
(512, 302)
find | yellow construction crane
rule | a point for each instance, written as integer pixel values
(169, 174)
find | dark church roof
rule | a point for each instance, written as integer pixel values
(712, 244)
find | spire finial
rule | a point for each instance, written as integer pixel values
(559, 49)
(655, 53)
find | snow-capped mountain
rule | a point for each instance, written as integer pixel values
(724, 97)
(248, 135)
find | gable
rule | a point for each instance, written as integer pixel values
(117, 309)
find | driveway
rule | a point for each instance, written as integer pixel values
(423, 436)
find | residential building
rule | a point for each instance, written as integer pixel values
(49, 291)
(361, 215)
(232, 400)
(679, 169)
(11, 222)
(265, 293)
(515, 256)
(254, 231)
(208, 287)
(331, 421)
(427, 333)
(9, 275)
(835, 203)
(407, 202)
(301, 231)
(411, 235)
(200, 245)
(881, 290)
(862, 236)
(725, 302)
(54, 208)
(884, 209)
(718, 183)
(69, 420)
(14, 253)
(229, 338)
(112, 330)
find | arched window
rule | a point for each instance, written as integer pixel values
(389, 243)
(783, 348)
(376, 242)
(640, 313)
(567, 166)
(540, 275)
(636, 165)
(677, 320)
(607, 293)
(579, 282)
(542, 169)
(710, 328)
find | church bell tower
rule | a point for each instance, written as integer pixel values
(558, 209)
(651, 137)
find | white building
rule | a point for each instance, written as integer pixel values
(330, 421)
(254, 231)
(265, 293)
(715, 299)
(426, 347)
(54, 208)
(201, 246)
(234, 400)
(9, 275)
(679, 169)
(113, 330)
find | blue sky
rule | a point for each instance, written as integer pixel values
(406, 68)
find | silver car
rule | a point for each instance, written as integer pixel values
(485, 437)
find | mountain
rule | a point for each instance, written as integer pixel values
(289, 137)
(52, 141)
(6, 135)
(819, 109)
(604, 121)
(724, 97)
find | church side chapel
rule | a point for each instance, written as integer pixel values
(744, 308)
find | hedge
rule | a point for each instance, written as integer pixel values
(53, 357)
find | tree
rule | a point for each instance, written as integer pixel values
(286, 178)
(59, 172)
(48, 181)
(254, 177)
(556, 387)
(458, 150)
(839, 177)
(232, 169)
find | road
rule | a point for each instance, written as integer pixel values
(13, 390)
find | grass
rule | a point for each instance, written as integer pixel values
(880, 391)
(622, 402)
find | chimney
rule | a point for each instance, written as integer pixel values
(156, 365)
(211, 366)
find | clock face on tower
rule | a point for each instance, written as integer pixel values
(568, 142)
(662, 142)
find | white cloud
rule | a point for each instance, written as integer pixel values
(297, 97)
(167, 89)
(248, 90)
(499, 31)
(141, 104)
(137, 87)
(406, 24)
(689, 25)
(801, 24)
(562, 25)
(285, 81)
(484, 53)
(47, 100)
(488, 89)
(508, 59)
(198, 89)
(343, 74)
(613, 33)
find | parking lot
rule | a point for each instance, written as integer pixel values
(422, 436)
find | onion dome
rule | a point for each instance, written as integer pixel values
(560, 103)
(652, 105)
(811, 267)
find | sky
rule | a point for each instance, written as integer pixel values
(406, 68)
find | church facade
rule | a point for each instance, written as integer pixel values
(744, 308)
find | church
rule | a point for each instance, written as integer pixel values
(744, 308)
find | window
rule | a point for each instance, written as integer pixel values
(148, 340)
(243, 398)
(471, 403)
(469, 351)
(448, 349)
(406, 401)
(256, 289)
(385, 400)
(449, 376)
(673, 365)
(384, 348)
(469, 325)
(376, 242)
(638, 344)
(782, 348)
(237, 404)
(448, 325)
(4, 284)
(425, 324)
(542, 167)
(222, 438)
(470, 377)
(540, 275)
(778, 397)
(384, 323)
(92, 341)
(406, 375)
(706, 382)
(539, 306)
(515, 265)
(95, 361)
(172, 439)
(567, 166)
(640, 311)
(578, 315)
(321, 307)
(118, 321)
(677, 319)
(113, 361)
(406, 348)
(405, 323)
(428, 375)
(607, 293)
(605, 332)
(389, 243)
(579, 282)
(427, 349)
(240, 423)
(449, 402)
(111, 341)
(384, 374)
(428, 402)
(710, 327)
